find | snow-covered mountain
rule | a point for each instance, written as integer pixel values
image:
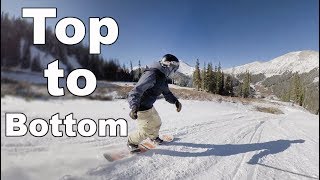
(299, 61)
(42, 58)
(185, 68)
(276, 76)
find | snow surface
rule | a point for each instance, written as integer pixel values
(73, 61)
(299, 61)
(45, 58)
(213, 141)
(30, 77)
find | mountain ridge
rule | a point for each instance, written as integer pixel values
(296, 61)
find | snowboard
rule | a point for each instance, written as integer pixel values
(144, 146)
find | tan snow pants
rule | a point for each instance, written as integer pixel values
(149, 124)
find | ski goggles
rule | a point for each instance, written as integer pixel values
(172, 65)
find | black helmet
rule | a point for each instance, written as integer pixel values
(170, 62)
(169, 57)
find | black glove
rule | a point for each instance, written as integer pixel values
(179, 106)
(133, 113)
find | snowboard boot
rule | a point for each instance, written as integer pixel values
(157, 140)
(133, 148)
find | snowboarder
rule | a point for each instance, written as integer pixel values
(151, 84)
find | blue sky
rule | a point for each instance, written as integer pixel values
(233, 32)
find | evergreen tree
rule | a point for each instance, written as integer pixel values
(139, 70)
(246, 85)
(210, 79)
(239, 90)
(285, 95)
(219, 80)
(228, 86)
(222, 83)
(35, 66)
(204, 83)
(25, 61)
(297, 90)
(196, 76)
(131, 67)
(301, 98)
(215, 80)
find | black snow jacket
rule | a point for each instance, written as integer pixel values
(151, 84)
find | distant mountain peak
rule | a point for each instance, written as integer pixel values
(185, 68)
(298, 61)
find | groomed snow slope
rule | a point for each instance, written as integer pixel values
(213, 141)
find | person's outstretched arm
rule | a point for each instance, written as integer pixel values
(171, 98)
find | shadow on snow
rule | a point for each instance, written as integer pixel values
(271, 147)
(265, 148)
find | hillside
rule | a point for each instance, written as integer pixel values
(276, 77)
(18, 53)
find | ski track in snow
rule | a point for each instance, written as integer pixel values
(212, 141)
